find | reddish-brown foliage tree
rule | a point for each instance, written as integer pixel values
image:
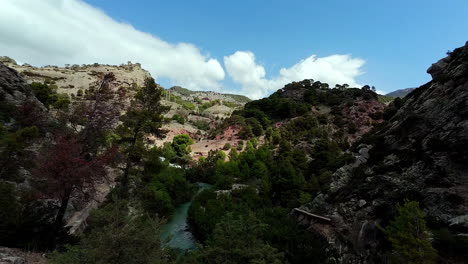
(65, 168)
(93, 117)
(77, 158)
(30, 113)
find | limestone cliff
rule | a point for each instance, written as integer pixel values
(71, 79)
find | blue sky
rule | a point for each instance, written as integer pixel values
(398, 40)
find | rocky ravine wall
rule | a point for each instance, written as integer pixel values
(420, 154)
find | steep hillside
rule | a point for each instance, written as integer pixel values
(344, 114)
(420, 154)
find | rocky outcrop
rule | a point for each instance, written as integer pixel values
(420, 154)
(16, 256)
(12, 86)
(206, 96)
(71, 79)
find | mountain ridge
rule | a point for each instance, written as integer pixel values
(400, 92)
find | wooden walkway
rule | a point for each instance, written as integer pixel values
(313, 215)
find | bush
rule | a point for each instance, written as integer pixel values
(227, 146)
(181, 144)
(26, 223)
(44, 93)
(409, 235)
(202, 125)
(179, 119)
(255, 126)
(246, 132)
(115, 236)
(240, 145)
(61, 101)
(228, 243)
(352, 128)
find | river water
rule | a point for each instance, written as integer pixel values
(176, 233)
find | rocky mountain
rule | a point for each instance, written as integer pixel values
(343, 155)
(400, 92)
(420, 154)
(192, 112)
(344, 113)
(75, 79)
(187, 94)
(13, 87)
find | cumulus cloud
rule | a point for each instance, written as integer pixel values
(335, 69)
(59, 32)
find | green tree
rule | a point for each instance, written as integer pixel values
(181, 144)
(237, 239)
(116, 236)
(180, 119)
(144, 117)
(233, 155)
(409, 235)
(61, 101)
(227, 146)
(42, 92)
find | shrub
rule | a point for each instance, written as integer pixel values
(115, 236)
(227, 243)
(61, 101)
(179, 119)
(240, 145)
(352, 128)
(227, 146)
(26, 223)
(409, 237)
(246, 132)
(181, 144)
(202, 125)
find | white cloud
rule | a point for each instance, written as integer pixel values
(244, 70)
(381, 92)
(70, 31)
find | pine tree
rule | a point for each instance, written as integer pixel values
(237, 239)
(409, 236)
(143, 118)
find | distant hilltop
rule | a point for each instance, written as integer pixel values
(74, 79)
(401, 92)
(187, 94)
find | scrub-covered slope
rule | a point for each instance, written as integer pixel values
(420, 154)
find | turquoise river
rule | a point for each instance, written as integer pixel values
(176, 232)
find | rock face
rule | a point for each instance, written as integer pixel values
(12, 86)
(420, 154)
(15, 256)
